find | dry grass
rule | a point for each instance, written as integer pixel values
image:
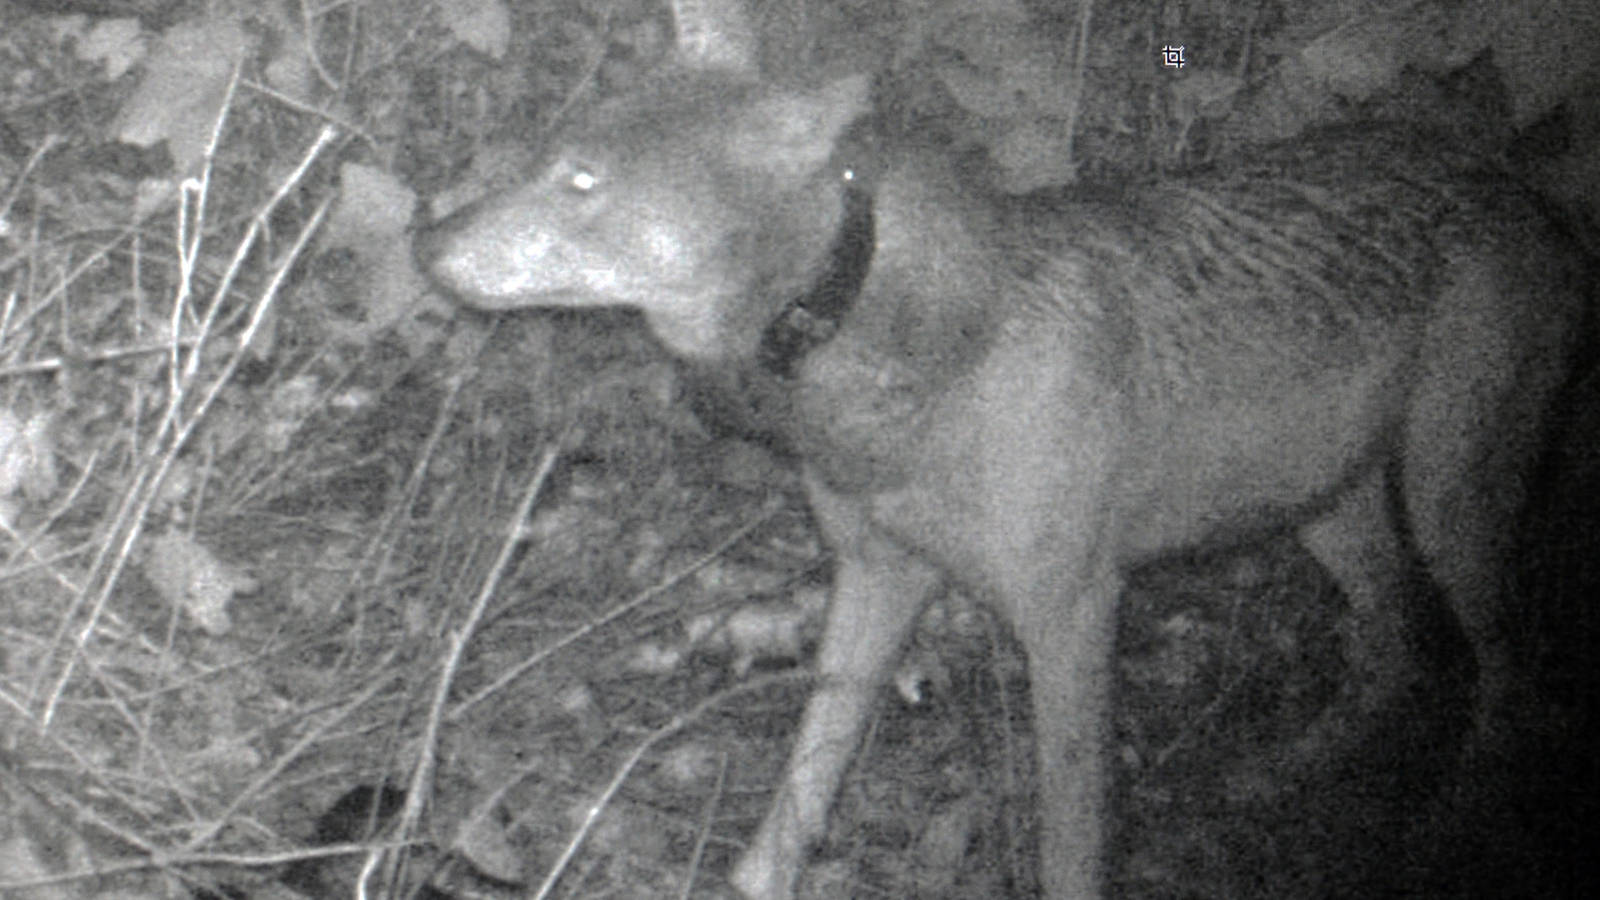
(265, 541)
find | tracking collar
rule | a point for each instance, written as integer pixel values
(813, 318)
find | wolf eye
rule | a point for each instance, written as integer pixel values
(573, 172)
(583, 179)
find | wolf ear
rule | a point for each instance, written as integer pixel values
(792, 134)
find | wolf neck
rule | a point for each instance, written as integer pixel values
(751, 394)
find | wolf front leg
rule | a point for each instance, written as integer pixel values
(879, 591)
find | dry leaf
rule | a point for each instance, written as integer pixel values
(370, 221)
(119, 43)
(27, 458)
(185, 81)
(483, 25)
(373, 206)
(187, 575)
(483, 841)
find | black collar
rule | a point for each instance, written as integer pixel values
(813, 318)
